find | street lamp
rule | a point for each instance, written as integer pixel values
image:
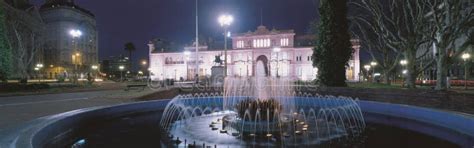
(367, 68)
(121, 67)
(40, 65)
(373, 64)
(94, 68)
(38, 68)
(144, 63)
(75, 33)
(404, 72)
(464, 57)
(225, 21)
(403, 62)
(277, 50)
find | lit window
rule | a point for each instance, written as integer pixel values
(284, 42)
(240, 44)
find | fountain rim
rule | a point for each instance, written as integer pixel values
(26, 135)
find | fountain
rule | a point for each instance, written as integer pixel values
(261, 111)
(251, 112)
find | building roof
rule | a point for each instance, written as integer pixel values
(262, 30)
(65, 3)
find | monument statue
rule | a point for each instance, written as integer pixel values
(218, 61)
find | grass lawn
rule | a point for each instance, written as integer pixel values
(382, 85)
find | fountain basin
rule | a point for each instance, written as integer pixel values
(68, 128)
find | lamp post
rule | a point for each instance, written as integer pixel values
(37, 71)
(277, 51)
(121, 68)
(367, 68)
(144, 64)
(186, 54)
(38, 68)
(95, 68)
(373, 64)
(75, 34)
(404, 72)
(197, 41)
(465, 57)
(225, 21)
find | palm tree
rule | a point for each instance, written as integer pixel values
(129, 46)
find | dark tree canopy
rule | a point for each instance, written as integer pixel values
(5, 50)
(333, 49)
(129, 46)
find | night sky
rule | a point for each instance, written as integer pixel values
(138, 21)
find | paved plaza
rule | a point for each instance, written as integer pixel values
(19, 109)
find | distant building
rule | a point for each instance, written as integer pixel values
(111, 66)
(63, 52)
(247, 49)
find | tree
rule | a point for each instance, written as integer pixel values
(333, 49)
(130, 47)
(5, 49)
(402, 25)
(24, 30)
(386, 58)
(452, 21)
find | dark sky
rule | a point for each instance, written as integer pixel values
(138, 21)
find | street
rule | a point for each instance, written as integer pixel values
(19, 109)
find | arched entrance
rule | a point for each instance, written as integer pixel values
(264, 60)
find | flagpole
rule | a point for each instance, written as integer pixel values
(197, 42)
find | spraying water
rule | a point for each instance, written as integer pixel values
(261, 111)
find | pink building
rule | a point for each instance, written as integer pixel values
(275, 48)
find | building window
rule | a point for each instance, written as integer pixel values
(298, 58)
(257, 43)
(240, 44)
(284, 42)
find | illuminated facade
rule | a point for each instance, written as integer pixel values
(247, 49)
(64, 53)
